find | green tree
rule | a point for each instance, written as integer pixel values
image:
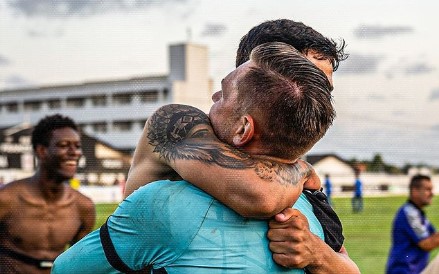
(377, 164)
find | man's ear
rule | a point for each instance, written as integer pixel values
(40, 151)
(245, 132)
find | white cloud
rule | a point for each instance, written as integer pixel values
(66, 8)
(213, 29)
(418, 68)
(360, 64)
(379, 31)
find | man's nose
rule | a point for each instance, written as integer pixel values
(73, 149)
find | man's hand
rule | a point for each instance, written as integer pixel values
(295, 246)
(291, 241)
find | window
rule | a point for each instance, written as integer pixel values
(11, 107)
(149, 96)
(165, 93)
(75, 102)
(99, 100)
(25, 140)
(99, 127)
(122, 125)
(122, 98)
(82, 126)
(32, 105)
(54, 103)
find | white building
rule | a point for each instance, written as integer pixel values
(115, 111)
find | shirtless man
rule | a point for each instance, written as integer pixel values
(41, 215)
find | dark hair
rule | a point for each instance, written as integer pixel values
(42, 132)
(416, 181)
(290, 96)
(296, 34)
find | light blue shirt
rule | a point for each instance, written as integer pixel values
(178, 226)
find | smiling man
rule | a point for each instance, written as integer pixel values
(42, 214)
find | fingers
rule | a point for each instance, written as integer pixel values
(281, 259)
(286, 214)
(290, 260)
(289, 217)
(280, 235)
(281, 247)
(292, 234)
(295, 229)
(297, 252)
(291, 241)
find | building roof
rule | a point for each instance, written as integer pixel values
(87, 83)
(314, 158)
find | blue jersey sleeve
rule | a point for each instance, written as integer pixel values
(417, 227)
(86, 256)
(143, 230)
(157, 223)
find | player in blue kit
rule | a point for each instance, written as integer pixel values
(413, 236)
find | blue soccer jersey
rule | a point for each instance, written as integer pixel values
(177, 226)
(410, 226)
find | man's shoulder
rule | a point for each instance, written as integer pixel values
(166, 187)
(14, 184)
(11, 190)
(407, 215)
(165, 214)
(409, 209)
(166, 193)
(83, 201)
(302, 202)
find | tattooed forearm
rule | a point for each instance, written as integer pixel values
(174, 134)
(184, 132)
(170, 124)
(283, 173)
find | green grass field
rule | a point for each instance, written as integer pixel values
(367, 234)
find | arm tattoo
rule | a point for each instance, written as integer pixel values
(171, 124)
(173, 134)
(285, 174)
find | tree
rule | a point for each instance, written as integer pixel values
(377, 164)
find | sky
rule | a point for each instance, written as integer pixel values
(386, 93)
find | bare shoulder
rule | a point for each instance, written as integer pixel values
(10, 194)
(83, 202)
(10, 191)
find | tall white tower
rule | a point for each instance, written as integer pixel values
(189, 75)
